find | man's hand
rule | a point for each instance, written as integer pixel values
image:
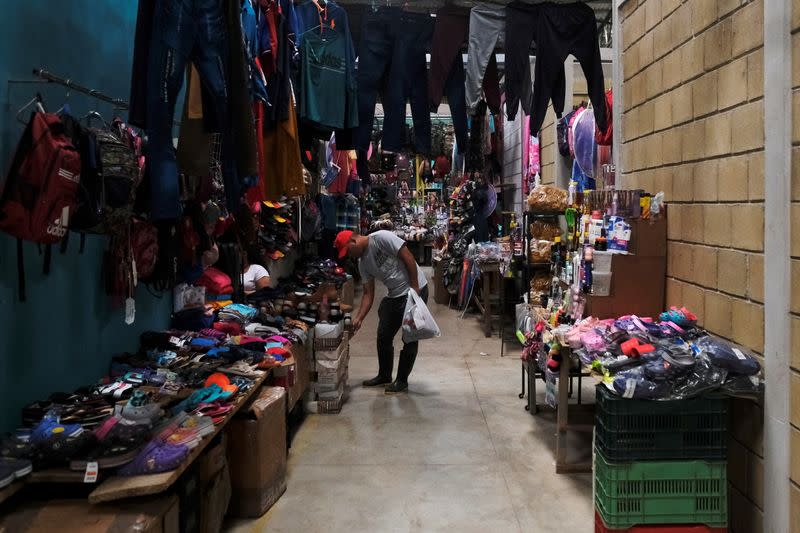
(356, 325)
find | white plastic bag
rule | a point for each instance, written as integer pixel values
(418, 323)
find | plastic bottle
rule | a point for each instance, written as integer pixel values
(601, 244)
(571, 193)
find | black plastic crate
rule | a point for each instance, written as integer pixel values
(636, 430)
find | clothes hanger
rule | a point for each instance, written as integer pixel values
(64, 109)
(35, 101)
(94, 114)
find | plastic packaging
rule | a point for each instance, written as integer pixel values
(547, 199)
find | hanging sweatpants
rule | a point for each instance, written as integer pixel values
(486, 31)
(521, 27)
(408, 81)
(374, 62)
(565, 29)
(446, 74)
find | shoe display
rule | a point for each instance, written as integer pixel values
(12, 469)
(155, 458)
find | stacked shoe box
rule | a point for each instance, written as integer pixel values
(660, 466)
(332, 360)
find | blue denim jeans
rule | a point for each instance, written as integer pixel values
(186, 31)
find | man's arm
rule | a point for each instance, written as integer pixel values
(411, 267)
(366, 304)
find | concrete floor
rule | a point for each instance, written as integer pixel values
(457, 453)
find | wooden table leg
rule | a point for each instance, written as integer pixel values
(487, 305)
(562, 422)
(562, 415)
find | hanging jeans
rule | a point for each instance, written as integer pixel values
(565, 29)
(374, 62)
(521, 27)
(486, 31)
(184, 31)
(390, 320)
(446, 75)
(408, 80)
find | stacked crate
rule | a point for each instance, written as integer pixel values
(332, 361)
(660, 466)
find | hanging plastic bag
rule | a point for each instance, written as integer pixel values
(418, 323)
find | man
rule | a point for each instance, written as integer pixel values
(384, 255)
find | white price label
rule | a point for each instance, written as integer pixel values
(130, 311)
(90, 476)
(739, 353)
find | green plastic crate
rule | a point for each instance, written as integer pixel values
(661, 492)
(634, 430)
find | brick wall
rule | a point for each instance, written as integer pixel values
(692, 126)
(795, 272)
(547, 148)
(512, 162)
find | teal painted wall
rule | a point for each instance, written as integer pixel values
(63, 336)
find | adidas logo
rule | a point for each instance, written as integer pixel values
(57, 230)
(64, 173)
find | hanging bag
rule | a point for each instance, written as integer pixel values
(418, 322)
(39, 193)
(112, 173)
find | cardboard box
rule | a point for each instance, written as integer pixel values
(157, 514)
(333, 394)
(338, 380)
(294, 375)
(213, 460)
(216, 496)
(257, 454)
(334, 355)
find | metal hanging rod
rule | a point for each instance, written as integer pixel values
(52, 78)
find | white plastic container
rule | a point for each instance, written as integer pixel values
(601, 283)
(601, 261)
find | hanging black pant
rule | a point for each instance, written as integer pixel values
(565, 29)
(521, 27)
(374, 61)
(408, 81)
(446, 74)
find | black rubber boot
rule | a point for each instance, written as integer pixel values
(377, 381)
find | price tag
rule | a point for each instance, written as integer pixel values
(739, 353)
(91, 472)
(175, 340)
(130, 311)
(135, 274)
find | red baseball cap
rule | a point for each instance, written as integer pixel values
(341, 242)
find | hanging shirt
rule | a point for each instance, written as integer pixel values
(328, 90)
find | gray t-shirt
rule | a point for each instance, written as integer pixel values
(380, 261)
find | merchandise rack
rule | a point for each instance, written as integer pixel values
(119, 487)
(115, 487)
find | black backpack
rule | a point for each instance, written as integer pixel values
(111, 175)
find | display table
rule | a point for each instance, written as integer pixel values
(119, 487)
(113, 487)
(576, 417)
(491, 288)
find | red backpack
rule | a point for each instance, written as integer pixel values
(39, 193)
